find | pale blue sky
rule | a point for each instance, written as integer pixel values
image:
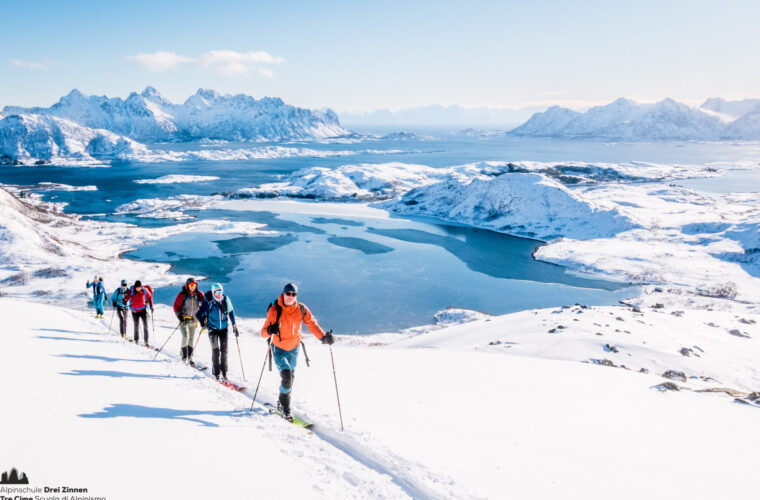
(366, 55)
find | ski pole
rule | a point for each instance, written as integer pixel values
(336, 388)
(153, 325)
(241, 357)
(305, 355)
(111, 322)
(167, 340)
(199, 337)
(261, 374)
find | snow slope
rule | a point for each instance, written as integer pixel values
(627, 120)
(29, 139)
(418, 430)
(147, 116)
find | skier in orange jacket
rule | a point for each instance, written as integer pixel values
(283, 327)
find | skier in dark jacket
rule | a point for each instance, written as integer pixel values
(99, 296)
(139, 298)
(117, 299)
(214, 314)
(186, 306)
(283, 327)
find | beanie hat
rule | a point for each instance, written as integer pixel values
(290, 287)
(123, 282)
(190, 280)
(138, 283)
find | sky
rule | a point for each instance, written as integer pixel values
(366, 55)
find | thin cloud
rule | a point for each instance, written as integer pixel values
(31, 64)
(159, 61)
(223, 62)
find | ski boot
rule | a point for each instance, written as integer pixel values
(190, 356)
(283, 405)
(184, 354)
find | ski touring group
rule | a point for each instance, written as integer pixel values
(214, 313)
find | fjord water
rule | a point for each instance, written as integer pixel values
(361, 275)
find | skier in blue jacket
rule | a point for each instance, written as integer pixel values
(215, 314)
(99, 296)
(117, 299)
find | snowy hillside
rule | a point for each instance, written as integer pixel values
(30, 139)
(627, 120)
(148, 117)
(521, 204)
(464, 408)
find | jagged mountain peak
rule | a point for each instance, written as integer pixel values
(148, 116)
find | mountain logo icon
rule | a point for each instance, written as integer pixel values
(14, 477)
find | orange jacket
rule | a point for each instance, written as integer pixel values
(290, 325)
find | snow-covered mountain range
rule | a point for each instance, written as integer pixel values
(623, 119)
(149, 117)
(80, 128)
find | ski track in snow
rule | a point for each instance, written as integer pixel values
(406, 475)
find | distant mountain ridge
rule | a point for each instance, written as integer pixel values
(149, 117)
(623, 119)
(441, 116)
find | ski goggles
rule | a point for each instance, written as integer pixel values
(219, 292)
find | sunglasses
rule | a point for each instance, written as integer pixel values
(291, 294)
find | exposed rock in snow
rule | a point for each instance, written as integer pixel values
(529, 205)
(206, 114)
(630, 121)
(37, 139)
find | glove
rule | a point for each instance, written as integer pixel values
(179, 316)
(234, 329)
(114, 303)
(328, 338)
(273, 329)
(151, 309)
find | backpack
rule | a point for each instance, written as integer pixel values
(210, 300)
(277, 305)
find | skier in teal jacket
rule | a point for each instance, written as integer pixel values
(99, 296)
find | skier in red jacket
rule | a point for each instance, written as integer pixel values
(139, 298)
(186, 306)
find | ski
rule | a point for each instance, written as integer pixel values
(297, 421)
(232, 386)
(198, 366)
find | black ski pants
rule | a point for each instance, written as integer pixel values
(122, 321)
(136, 317)
(218, 340)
